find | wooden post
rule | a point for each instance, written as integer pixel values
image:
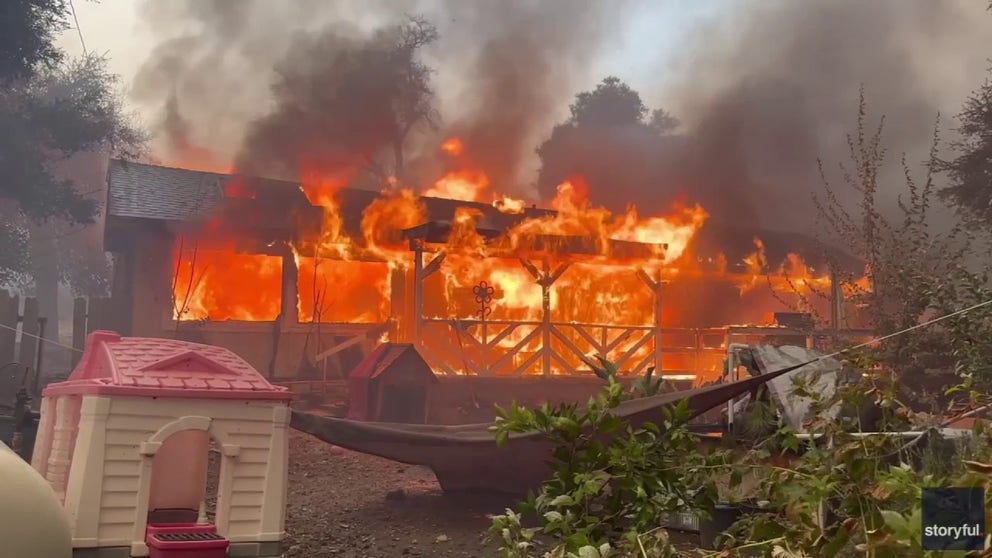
(398, 332)
(78, 328)
(9, 316)
(29, 332)
(545, 278)
(655, 286)
(418, 291)
(36, 382)
(546, 320)
(290, 311)
(836, 302)
(658, 341)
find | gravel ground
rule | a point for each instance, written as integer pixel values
(351, 505)
(348, 504)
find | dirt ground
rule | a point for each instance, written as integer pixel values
(352, 505)
(348, 504)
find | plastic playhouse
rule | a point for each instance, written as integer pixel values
(126, 444)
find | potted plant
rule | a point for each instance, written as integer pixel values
(739, 495)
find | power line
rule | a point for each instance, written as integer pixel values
(72, 8)
(56, 343)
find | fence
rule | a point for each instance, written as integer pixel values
(22, 355)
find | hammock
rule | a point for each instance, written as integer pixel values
(465, 458)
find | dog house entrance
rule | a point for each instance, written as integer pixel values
(185, 474)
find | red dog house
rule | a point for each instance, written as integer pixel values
(392, 384)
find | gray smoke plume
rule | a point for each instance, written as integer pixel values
(521, 63)
(768, 87)
(502, 71)
(763, 88)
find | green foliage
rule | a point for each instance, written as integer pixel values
(970, 170)
(28, 29)
(612, 483)
(73, 108)
(643, 387)
(870, 486)
(913, 270)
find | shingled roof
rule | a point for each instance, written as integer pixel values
(152, 192)
(137, 190)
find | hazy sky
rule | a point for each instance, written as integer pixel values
(765, 87)
(652, 33)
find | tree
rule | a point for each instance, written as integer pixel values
(971, 171)
(72, 108)
(50, 110)
(613, 103)
(914, 270)
(27, 30)
(344, 103)
(614, 142)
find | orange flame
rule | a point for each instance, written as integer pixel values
(353, 279)
(453, 147)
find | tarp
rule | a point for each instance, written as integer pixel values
(466, 457)
(820, 377)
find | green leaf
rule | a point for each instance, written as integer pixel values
(589, 551)
(562, 500)
(895, 522)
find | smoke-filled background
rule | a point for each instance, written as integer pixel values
(762, 90)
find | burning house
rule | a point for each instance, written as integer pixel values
(304, 280)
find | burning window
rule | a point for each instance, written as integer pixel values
(220, 285)
(336, 291)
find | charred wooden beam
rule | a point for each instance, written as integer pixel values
(438, 232)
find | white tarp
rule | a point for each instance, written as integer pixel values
(820, 377)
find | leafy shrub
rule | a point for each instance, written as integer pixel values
(613, 484)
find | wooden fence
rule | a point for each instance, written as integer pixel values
(21, 325)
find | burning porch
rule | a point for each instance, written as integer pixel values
(305, 280)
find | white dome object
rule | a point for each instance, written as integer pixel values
(32, 522)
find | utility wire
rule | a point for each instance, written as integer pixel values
(56, 343)
(72, 8)
(817, 359)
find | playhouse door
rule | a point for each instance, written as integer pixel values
(403, 404)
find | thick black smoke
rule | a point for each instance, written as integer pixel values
(768, 88)
(225, 71)
(763, 88)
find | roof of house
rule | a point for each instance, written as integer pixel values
(153, 192)
(382, 359)
(149, 367)
(142, 191)
(138, 190)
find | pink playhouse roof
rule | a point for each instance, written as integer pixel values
(149, 367)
